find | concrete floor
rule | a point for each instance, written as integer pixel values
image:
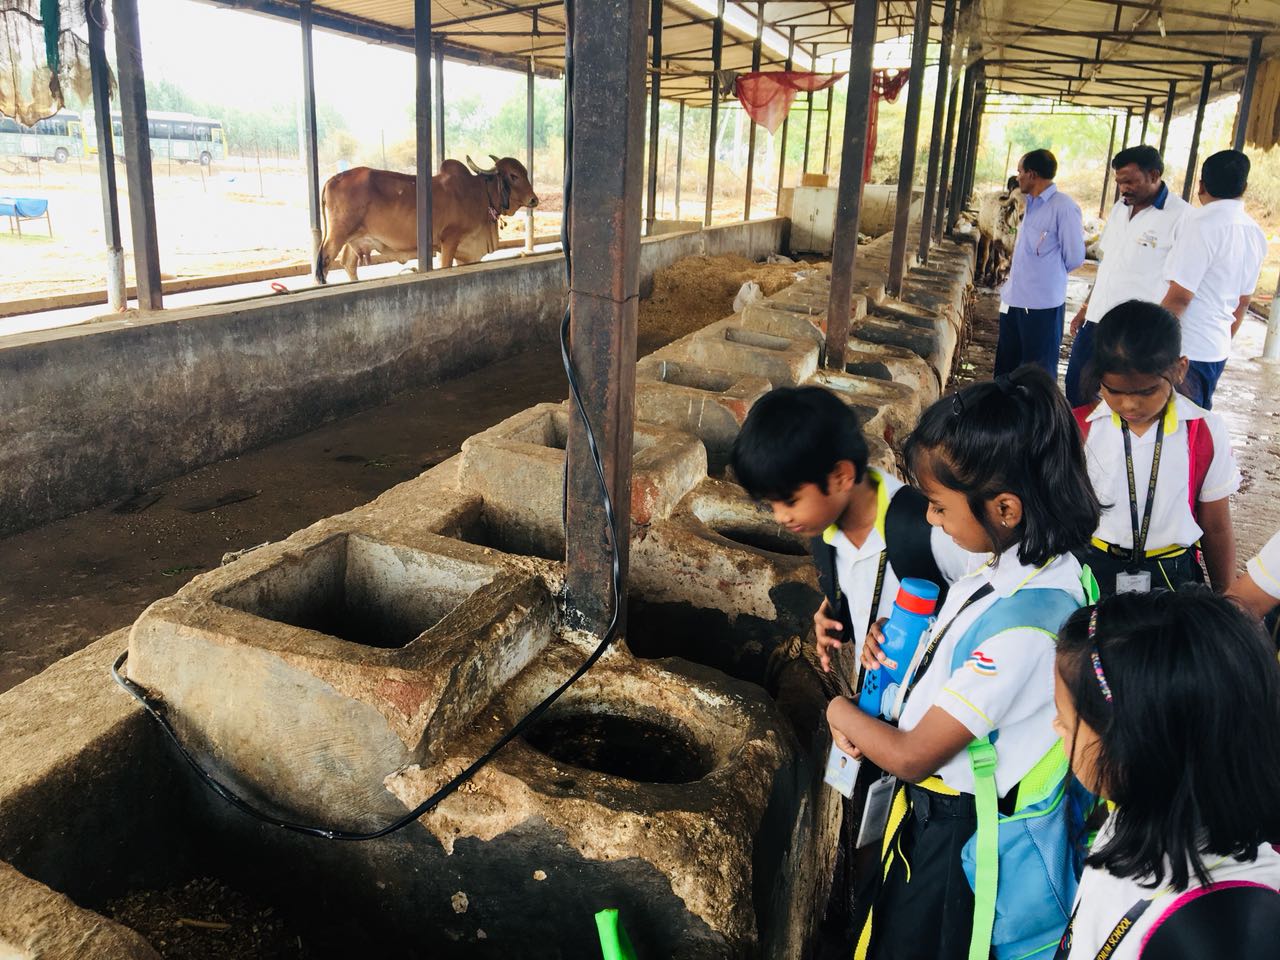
(92, 573)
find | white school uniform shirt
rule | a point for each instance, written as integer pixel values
(1217, 255)
(1013, 690)
(1172, 522)
(1264, 569)
(1103, 900)
(1134, 250)
(856, 567)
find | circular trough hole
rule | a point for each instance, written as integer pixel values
(771, 541)
(619, 746)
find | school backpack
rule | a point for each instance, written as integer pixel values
(1199, 450)
(1024, 866)
(908, 539)
(1237, 918)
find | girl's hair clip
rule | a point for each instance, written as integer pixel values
(1096, 658)
(957, 405)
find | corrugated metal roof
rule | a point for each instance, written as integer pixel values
(1095, 53)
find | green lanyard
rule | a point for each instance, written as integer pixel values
(1139, 551)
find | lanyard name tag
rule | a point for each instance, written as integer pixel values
(842, 772)
(875, 815)
(1137, 582)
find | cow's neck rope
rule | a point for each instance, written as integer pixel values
(503, 195)
(155, 707)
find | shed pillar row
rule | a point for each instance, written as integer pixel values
(604, 227)
(100, 74)
(935, 137)
(422, 63)
(137, 153)
(852, 169)
(910, 142)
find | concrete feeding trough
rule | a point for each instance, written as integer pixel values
(783, 361)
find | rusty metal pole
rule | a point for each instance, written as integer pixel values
(953, 102)
(808, 121)
(655, 102)
(604, 229)
(852, 169)
(717, 47)
(137, 153)
(1168, 115)
(910, 142)
(100, 75)
(1146, 121)
(439, 107)
(935, 137)
(975, 132)
(1106, 167)
(422, 63)
(679, 155)
(786, 121)
(1246, 93)
(751, 134)
(310, 147)
(1189, 180)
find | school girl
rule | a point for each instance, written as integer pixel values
(1162, 466)
(982, 777)
(1168, 705)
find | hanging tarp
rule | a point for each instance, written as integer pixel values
(44, 54)
(1262, 126)
(885, 85)
(767, 96)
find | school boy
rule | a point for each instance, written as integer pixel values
(802, 451)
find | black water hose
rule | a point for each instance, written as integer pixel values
(155, 707)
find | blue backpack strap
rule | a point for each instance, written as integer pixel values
(1035, 609)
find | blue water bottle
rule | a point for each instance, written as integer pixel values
(911, 618)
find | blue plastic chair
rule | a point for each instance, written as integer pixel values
(18, 209)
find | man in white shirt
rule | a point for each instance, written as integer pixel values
(1212, 271)
(1136, 241)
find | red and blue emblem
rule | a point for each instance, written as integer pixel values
(981, 664)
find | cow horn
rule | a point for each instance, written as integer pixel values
(496, 161)
(476, 169)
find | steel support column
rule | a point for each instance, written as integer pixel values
(1168, 116)
(1124, 142)
(1146, 121)
(310, 148)
(852, 168)
(528, 154)
(608, 117)
(935, 136)
(717, 47)
(786, 121)
(1189, 180)
(751, 133)
(439, 106)
(100, 74)
(679, 155)
(1106, 168)
(422, 64)
(955, 200)
(910, 143)
(808, 123)
(655, 103)
(1246, 93)
(975, 132)
(137, 153)
(944, 178)
(826, 136)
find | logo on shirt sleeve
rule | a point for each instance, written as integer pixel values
(981, 664)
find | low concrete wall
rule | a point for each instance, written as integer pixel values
(89, 413)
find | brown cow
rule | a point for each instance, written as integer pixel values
(366, 208)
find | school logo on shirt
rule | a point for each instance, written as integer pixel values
(981, 664)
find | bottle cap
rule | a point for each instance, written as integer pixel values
(918, 596)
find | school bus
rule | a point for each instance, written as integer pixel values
(57, 138)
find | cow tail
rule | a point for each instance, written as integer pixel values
(324, 235)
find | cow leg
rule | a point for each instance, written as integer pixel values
(350, 260)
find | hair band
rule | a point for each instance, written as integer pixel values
(1096, 658)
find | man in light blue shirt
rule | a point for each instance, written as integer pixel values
(1050, 245)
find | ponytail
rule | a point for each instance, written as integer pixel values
(1013, 435)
